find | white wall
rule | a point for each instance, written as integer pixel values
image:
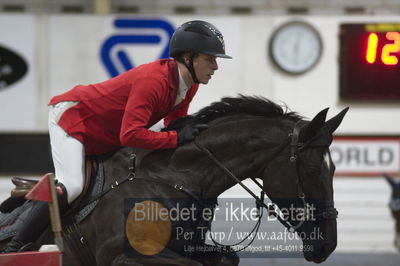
(318, 88)
(68, 53)
(18, 102)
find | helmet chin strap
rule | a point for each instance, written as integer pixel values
(190, 67)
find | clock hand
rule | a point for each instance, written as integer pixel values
(296, 49)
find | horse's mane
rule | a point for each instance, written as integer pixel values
(229, 106)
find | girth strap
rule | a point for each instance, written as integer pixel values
(131, 175)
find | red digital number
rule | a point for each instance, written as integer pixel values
(388, 49)
(371, 48)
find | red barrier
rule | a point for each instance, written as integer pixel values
(34, 258)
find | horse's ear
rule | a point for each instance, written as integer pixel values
(333, 123)
(309, 130)
(390, 180)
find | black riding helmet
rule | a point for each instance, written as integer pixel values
(197, 37)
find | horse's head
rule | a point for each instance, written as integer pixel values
(395, 206)
(303, 173)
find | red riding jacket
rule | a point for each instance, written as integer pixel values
(119, 111)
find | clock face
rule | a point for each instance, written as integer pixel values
(295, 47)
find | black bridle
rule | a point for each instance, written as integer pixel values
(327, 213)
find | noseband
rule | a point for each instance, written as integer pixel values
(326, 213)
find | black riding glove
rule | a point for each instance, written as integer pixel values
(189, 132)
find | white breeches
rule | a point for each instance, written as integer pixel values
(68, 153)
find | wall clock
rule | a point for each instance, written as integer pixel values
(295, 47)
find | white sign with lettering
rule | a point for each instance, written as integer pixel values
(18, 87)
(366, 156)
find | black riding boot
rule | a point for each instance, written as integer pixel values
(36, 222)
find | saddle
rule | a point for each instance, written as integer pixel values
(24, 185)
(14, 210)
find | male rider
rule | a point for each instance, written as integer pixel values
(100, 118)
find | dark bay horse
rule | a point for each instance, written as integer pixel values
(394, 206)
(249, 136)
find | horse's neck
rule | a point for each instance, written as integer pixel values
(243, 152)
(244, 147)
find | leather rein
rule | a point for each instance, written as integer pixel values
(327, 213)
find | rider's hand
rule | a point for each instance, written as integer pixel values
(189, 132)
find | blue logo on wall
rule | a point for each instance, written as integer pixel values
(131, 32)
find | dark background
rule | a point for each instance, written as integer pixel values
(360, 80)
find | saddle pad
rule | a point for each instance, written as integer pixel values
(12, 221)
(94, 190)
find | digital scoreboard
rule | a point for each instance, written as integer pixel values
(369, 62)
